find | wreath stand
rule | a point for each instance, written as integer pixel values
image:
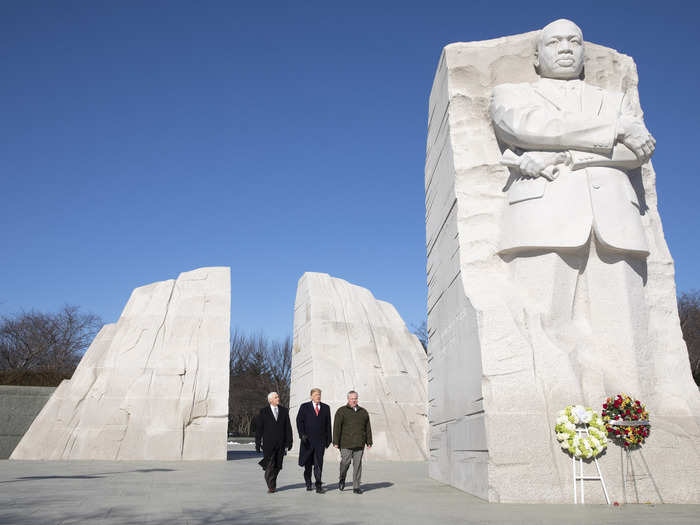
(580, 478)
(627, 465)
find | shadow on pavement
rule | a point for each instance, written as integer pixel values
(374, 486)
(292, 487)
(119, 515)
(334, 486)
(89, 476)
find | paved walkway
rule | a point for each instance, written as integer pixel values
(48, 492)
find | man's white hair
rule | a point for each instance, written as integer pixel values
(270, 395)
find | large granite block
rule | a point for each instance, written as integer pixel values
(154, 385)
(501, 363)
(345, 339)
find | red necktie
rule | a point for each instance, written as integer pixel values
(316, 408)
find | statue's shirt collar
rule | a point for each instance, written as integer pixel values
(560, 85)
(566, 95)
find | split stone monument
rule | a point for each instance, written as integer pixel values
(549, 279)
(152, 386)
(345, 339)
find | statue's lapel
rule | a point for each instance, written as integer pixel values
(592, 99)
(548, 92)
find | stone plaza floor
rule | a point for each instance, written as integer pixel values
(57, 492)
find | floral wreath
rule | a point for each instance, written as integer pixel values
(578, 444)
(622, 408)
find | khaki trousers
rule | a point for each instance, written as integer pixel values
(346, 456)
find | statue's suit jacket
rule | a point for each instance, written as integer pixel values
(595, 193)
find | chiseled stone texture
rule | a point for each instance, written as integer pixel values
(152, 386)
(491, 410)
(345, 339)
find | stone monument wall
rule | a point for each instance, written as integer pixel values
(154, 385)
(491, 409)
(345, 339)
(19, 405)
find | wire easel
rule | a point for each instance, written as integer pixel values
(580, 478)
(627, 465)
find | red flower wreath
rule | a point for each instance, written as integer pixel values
(622, 407)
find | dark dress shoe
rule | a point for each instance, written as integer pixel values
(319, 489)
(308, 487)
(357, 491)
(341, 484)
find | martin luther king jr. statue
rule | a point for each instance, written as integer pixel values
(572, 215)
(549, 279)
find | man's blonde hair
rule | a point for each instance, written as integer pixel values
(315, 390)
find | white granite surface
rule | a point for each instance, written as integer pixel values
(504, 355)
(345, 339)
(154, 385)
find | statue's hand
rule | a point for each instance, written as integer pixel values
(533, 163)
(633, 133)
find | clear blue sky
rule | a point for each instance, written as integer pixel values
(142, 139)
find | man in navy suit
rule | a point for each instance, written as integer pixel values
(314, 426)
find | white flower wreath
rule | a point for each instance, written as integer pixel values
(578, 444)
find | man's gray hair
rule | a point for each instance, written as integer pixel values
(353, 392)
(269, 396)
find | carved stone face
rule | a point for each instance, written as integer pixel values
(560, 50)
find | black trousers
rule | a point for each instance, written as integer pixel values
(315, 461)
(271, 475)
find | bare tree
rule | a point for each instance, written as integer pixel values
(44, 348)
(258, 366)
(421, 332)
(689, 313)
(279, 365)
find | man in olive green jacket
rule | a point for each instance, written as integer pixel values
(351, 432)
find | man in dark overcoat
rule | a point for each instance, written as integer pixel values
(273, 433)
(314, 427)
